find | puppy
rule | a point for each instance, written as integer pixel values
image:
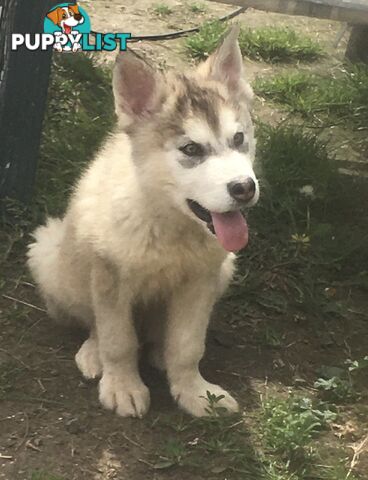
(147, 244)
(66, 18)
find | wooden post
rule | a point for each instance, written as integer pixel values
(352, 11)
(24, 78)
(357, 49)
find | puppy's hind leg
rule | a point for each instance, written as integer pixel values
(154, 326)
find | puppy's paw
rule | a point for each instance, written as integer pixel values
(76, 47)
(194, 398)
(129, 398)
(88, 360)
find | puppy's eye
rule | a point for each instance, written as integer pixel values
(238, 139)
(192, 149)
(64, 16)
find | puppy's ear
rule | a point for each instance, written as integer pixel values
(225, 65)
(74, 8)
(54, 16)
(137, 88)
(77, 14)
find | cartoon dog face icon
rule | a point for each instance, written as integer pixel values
(66, 18)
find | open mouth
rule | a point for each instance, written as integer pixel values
(202, 213)
(230, 228)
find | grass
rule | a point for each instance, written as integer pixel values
(272, 44)
(284, 430)
(289, 428)
(44, 476)
(80, 112)
(296, 164)
(79, 115)
(9, 374)
(344, 96)
(215, 445)
(336, 389)
(294, 429)
(290, 425)
(339, 384)
(278, 44)
(200, 45)
(309, 234)
(162, 9)
(197, 7)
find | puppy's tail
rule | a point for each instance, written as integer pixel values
(43, 260)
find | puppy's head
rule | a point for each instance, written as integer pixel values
(197, 127)
(68, 16)
(74, 12)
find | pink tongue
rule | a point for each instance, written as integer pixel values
(231, 230)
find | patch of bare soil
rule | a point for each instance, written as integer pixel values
(50, 418)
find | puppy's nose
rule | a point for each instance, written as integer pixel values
(78, 16)
(242, 191)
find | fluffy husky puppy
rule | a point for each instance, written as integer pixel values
(146, 245)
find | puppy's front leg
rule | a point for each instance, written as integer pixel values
(121, 387)
(188, 316)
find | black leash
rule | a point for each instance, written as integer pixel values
(179, 33)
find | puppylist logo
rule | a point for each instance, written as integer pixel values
(67, 27)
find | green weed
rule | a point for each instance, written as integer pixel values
(289, 425)
(278, 44)
(213, 445)
(357, 365)
(162, 9)
(78, 117)
(342, 96)
(295, 165)
(214, 410)
(9, 373)
(197, 7)
(44, 476)
(203, 43)
(270, 337)
(79, 114)
(275, 471)
(220, 444)
(307, 232)
(173, 454)
(340, 384)
(338, 472)
(268, 44)
(336, 389)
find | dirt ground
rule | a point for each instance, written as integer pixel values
(50, 418)
(139, 18)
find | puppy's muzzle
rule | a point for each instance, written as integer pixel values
(242, 191)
